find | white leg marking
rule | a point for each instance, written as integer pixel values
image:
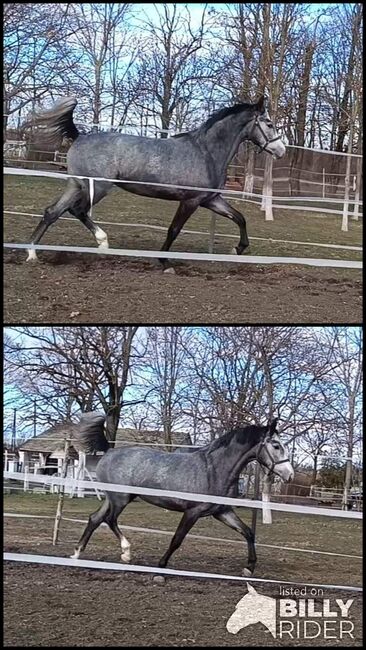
(76, 555)
(32, 255)
(101, 237)
(125, 546)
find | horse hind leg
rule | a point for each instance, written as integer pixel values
(99, 234)
(111, 520)
(81, 211)
(95, 519)
(53, 212)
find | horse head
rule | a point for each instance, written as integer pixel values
(272, 454)
(262, 132)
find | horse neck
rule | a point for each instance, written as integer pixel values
(233, 457)
(222, 141)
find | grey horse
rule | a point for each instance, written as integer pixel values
(212, 469)
(197, 158)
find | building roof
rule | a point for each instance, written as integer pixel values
(52, 439)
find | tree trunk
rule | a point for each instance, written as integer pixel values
(266, 498)
(249, 176)
(267, 189)
(315, 469)
(111, 423)
(347, 183)
(96, 99)
(347, 484)
(345, 121)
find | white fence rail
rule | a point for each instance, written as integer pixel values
(22, 557)
(169, 254)
(187, 496)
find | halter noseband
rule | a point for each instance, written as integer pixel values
(257, 124)
(273, 462)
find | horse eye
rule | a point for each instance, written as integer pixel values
(270, 124)
(275, 445)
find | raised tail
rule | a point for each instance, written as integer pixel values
(89, 433)
(55, 123)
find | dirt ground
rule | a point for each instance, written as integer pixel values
(56, 606)
(81, 288)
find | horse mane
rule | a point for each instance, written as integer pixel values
(218, 115)
(250, 433)
(225, 112)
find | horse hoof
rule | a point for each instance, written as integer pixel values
(169, 270)
(159, 580)
(126, 558)
(32, 256)
(233, 251)
(247, 573)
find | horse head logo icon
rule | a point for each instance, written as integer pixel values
(253, 608)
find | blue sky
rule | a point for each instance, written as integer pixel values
(13, 399)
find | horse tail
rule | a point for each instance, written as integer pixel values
(55, 123)
(89, 433)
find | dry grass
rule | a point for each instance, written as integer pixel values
(24, 194)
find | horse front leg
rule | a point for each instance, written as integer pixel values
(231, 519)
(220, 206)
(185, 210)
(188, 520)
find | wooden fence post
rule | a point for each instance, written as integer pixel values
(60, 501)
(256, 496)
(212, 233)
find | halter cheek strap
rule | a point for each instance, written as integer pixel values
(273, 462)
(257, 124)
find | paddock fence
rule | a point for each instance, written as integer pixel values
(299, 494)
(247, 259)
(309, 510)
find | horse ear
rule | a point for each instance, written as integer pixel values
(272, 427)
(262, 103)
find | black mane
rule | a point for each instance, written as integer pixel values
(250, 433)
(224, 112)
(217, 116)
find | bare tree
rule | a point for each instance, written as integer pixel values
(73, 369)
(345, 345)
(165, 374)
(101, 57)
(172, 65)
(33, 61)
